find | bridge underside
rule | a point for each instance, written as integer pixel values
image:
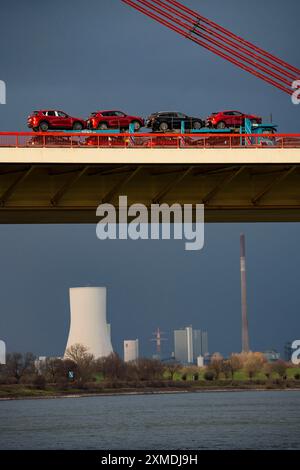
(70, 193)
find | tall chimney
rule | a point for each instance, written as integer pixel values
(245, 331)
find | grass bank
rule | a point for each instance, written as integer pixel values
(20, 391)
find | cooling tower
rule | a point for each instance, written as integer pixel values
(88, 320)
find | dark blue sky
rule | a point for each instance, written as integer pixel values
(83, 56)
(150, 284)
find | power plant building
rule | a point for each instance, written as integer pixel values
(131, 350)
(88, 320)
(190, 344)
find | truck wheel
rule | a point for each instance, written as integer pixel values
(197, 125)
(44, 126)
(77, 126)
(163, 126)
(221, 125)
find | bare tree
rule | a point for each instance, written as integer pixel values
(235, 363)
(17, 365)
(216, 364)
(85, 363)
(226, 369)
(267, 370)
(172, 368)
(149, 369)
(254, 363)
(54, 369)
(113, 367)
(279, 367)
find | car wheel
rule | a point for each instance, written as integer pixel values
(163, 126)
(77, 126)
(221, 125)
(44, 126)
(103, 126)
(197, 125)
(137, 125)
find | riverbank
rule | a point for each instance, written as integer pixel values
(17, 392)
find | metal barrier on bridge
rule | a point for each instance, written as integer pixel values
(207, 140)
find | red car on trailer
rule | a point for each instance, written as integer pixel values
(52, 119)
(114, 120)
(231, 119)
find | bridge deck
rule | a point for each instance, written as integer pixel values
(65, 185)
(157, 156)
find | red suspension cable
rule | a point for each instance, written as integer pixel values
(167, 15)
(215, 42)
(238, 38)
(206, 46)
(200, 25)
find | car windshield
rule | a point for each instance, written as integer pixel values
(181, 115)
(94, 114)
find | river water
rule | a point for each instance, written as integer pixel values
(236, 420)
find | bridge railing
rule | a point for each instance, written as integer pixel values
(205, 140)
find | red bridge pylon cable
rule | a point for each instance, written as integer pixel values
(213, 41)
(200, 25)
(207, 46)
(192, 31)
(236, 37)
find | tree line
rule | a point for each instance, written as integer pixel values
(79, 367)
(251, 363)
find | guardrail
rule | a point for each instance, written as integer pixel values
(205, 140)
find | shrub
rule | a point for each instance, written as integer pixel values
(297, 376)
(39, 382)
(63, 383)
(280, 368)
(209, 375)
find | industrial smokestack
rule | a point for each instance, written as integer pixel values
(245, 330)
